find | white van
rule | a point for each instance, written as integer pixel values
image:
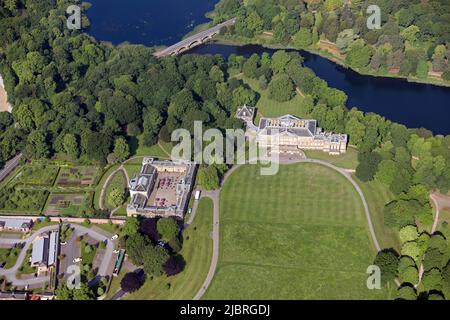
(197, 195)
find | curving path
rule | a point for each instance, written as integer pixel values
(215, 196)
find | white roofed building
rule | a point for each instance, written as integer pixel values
(291, 134)
(15, 224)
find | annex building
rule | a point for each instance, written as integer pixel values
(162, 188)
(291, 134)
(45, 251)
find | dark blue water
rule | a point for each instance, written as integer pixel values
(412, 104)
(167, 21)
(149, 22)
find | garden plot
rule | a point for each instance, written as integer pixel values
(37, 175)
(64, 204)
(77, 177)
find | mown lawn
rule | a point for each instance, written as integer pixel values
(8, 257)
(138, 148)
(271, 108)
(348, 160)
(300, 234)
(378, 195)
(197, 251)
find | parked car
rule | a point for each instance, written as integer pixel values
(76, 260)
(115, 237)
(64, 243)
(162, 243)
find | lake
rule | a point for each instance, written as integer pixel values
(166, 21)
(149, 22)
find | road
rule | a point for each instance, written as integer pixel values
(215, 196)
(10, 166)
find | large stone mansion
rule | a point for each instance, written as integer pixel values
(162, 188)
(290, 134)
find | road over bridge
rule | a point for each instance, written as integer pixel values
(195, 40)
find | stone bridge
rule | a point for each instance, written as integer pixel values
(195, 40)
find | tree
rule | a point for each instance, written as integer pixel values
(208, 178)
(131, 226)
(216, 74)
(167, 228)
(244, 96)
(136, 246)
(410, 33)
(387, 261)
(356, 130)
(345, 39)
(406, 293)
(359, 56)
(446, 280)
(281, 88)
(367, 167)
(408, 233)
(130, 282)
(174, 265)
(433, 259)
(250, 66)
(432, 280)
(280, 60)
(37, 145)
(148, 227)
(121, 150)
(411, 249)
(153, 260)
(303, 38)
(71, 145)
(83, 293)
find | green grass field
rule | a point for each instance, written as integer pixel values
(348, 160)
(378, 195)
(8, 257)
(271, 108)
(197, 251)
(300, 234)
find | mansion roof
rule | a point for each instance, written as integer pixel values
(289, 125)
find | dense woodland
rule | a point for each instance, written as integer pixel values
(412, 41)
(75, 96)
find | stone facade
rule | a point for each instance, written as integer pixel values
(290, 134)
